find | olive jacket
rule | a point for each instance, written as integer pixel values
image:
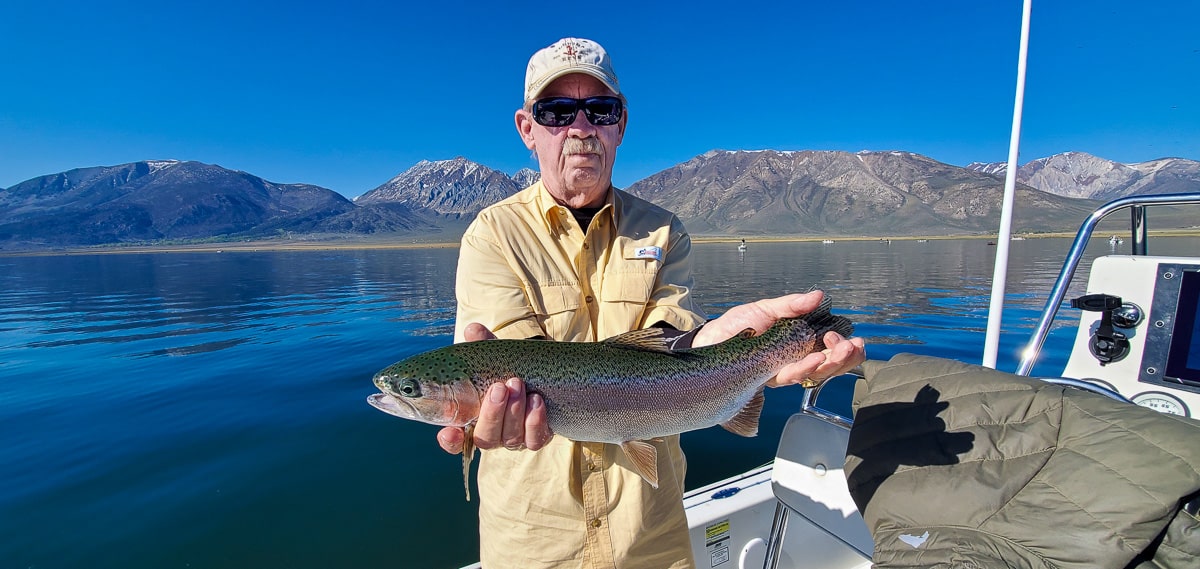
(957, 465)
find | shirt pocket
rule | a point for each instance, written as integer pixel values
(555, 306)
(633, 285)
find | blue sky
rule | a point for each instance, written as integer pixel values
(346, 95)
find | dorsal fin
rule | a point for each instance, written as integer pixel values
(644, 458)
(745, 423)
(646, 340)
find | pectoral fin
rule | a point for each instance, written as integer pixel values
(468, 454)
(644, 457)
(745, 423)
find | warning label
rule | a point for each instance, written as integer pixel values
(716, 541)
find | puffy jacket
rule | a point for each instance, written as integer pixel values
(956, 465)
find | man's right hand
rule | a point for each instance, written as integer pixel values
(507, 417)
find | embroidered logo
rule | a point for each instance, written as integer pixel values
(914, 540)
(648, 253)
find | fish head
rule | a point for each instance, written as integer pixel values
(433, 388)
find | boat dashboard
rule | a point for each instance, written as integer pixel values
(1139, 331)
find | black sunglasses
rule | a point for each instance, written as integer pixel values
(561, 111)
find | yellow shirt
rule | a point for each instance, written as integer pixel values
(526, 269)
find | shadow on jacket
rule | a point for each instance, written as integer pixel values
(956, 465)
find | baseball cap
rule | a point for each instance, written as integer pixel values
(566, 56)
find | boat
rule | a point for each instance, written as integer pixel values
(742, 247)
(827, 241)
(1115, 240)
(1137, 342)
(1140, 321)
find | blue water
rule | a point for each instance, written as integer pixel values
(208, 409)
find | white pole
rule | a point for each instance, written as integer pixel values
(991, 343)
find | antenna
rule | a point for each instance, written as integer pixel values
(991, 343)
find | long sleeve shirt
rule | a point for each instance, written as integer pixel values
(526, 269)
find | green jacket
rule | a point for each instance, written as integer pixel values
(956, 465)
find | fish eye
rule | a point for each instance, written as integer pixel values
(409, 388)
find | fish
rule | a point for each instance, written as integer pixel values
(630, 390)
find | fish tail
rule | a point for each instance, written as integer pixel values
(822, 320)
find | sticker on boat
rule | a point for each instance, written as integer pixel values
(716, 542)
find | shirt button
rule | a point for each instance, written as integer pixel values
(589, 299)
(596, 523)
(592, 466)
(586, 246)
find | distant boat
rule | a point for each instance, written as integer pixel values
(827, 241)
(742, 247)
(1018, 238)
(1114, 241)
(922, 241)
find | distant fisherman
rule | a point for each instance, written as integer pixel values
(573, 259)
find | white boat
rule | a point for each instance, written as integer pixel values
(1138, 326)
(827, 241)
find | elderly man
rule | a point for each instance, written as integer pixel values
(571, 258)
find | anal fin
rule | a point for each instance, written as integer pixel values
(745, 423)
(644, 457)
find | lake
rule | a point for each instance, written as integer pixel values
(208, 409)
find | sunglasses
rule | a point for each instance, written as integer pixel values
(561, 111)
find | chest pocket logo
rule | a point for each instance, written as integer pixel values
(650, 252)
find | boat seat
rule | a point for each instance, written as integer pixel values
(808, 481)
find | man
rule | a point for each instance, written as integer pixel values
(573, 259)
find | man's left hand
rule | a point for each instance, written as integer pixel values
(839, 356)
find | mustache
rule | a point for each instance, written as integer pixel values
(589, 145)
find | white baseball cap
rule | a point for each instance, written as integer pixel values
(566, 56)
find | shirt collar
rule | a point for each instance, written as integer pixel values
(550, 209)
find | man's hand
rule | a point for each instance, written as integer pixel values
(840, 355)
(507, 417)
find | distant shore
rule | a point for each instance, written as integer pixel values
(349, 244)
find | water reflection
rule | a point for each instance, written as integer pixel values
(210, 407)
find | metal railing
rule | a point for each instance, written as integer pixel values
(1138, 232)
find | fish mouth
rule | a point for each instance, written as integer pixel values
(393, 405)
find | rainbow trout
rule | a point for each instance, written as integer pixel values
(626, 390)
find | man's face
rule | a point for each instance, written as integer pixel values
(577, 173)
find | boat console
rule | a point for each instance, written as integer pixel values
(1139, 333)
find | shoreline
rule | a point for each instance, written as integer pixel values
(349, 245)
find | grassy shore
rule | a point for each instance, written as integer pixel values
(410, 243)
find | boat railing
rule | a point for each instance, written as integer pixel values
(1139, 237)
(808, 405)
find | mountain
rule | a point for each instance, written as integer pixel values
(840, 193)
(157, 200)
(1081, 175)
(455, 189)
(762, 192)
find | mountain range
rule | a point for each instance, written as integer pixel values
(744, 193)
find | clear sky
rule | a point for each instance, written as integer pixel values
(348, 94)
